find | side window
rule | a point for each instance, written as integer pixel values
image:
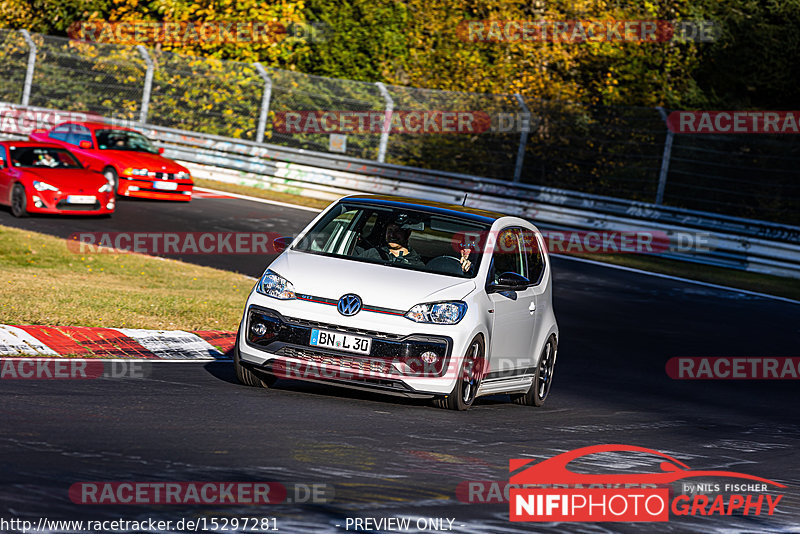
(508, 254)
(534, 256)
(61, 132)
(332, 237)
(77, 134)
(2, 157)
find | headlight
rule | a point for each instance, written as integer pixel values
(136, 172)
(105, 188)
(275, 286)
(42, 186)
(183, 176)
(438, 312)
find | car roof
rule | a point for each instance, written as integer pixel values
(96, 125)
(30, 143)
(429, 206)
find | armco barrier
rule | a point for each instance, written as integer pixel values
(745, 244)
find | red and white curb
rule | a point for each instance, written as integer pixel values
(126, 343)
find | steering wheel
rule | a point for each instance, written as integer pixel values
(446, 265)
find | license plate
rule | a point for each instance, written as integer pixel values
(81, 199)
(340, 341)
(167, 186)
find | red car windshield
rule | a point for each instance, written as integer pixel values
(41, 156)
(124, 140)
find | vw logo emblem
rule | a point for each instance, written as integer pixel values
(349, 305)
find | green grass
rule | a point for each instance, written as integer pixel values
(773, 285)
(43, 282)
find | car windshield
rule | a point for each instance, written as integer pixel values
(396, 237)
(124, 140)
(42, 156)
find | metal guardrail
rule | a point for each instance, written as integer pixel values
(732, 242)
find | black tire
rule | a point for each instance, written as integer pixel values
(543, 377)
(247, 376)
(113, 178)
(19, 201)
(469, 379)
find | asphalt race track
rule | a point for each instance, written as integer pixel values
(387, 457)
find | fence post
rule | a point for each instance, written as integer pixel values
(148, 84)
(266, 96)
(387, 123)
(26, 89)
(523, 136)
(662, 176)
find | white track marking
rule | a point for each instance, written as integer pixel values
(261, 200)
(677, 278)
(173, 344)
(16, 341)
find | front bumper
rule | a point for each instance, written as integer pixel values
(145, 188)
(42, 202)
(393, 365)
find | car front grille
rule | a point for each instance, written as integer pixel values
(290, 337)
(64, 205)
(349, 362)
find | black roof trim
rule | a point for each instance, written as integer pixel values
(430, 206)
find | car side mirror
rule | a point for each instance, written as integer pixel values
(161, 150)
(281, 243)
(85, 144)
(509, 282)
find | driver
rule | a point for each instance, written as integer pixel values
(47, 160)
(396, 249)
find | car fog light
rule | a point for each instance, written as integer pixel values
(429, 357)
(37, 202)
(258, 329)
(110, 206)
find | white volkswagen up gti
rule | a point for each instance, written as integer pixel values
(408, 297)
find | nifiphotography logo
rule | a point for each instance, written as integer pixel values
(549, 491)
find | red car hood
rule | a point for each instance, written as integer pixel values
(68, 180)
(142, 160)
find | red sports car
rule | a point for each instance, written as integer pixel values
(130, 163)
(46, 178)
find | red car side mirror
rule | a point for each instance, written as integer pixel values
(85, 144)
(160, 150)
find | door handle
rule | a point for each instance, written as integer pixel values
(532, 307)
